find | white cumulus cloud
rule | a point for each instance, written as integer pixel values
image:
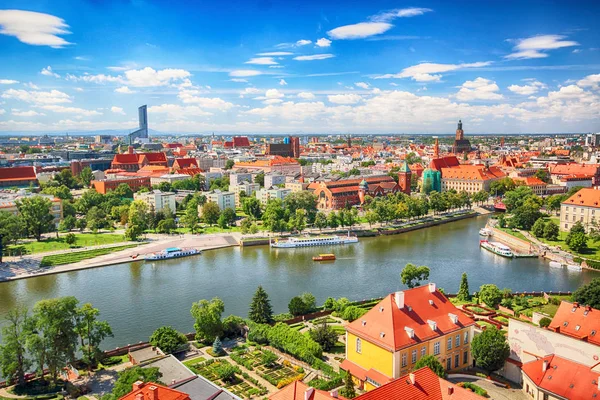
(177, 111)
(528, 89)
(349, 98)
(48, 72)
(533, 47)
(360, 30)
(244, 73)
(8, 81)
(387, 16)
(590, 81)
(479, 89)
(426, 72)
(306, 95)
(124, 90)
(34, 28)
(323, 42)
(37, 97)
(282, 82)
(70, 110)
(117, 110)
(149, 77)
(362, 85)
(276, 54)
(303, 42)
(29, 113)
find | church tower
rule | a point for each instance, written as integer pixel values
(460, 134)
(404, 178)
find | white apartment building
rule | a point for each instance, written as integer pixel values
(157, 199)
(264, 195)
(583, 206)
(223, 199)
(236, 178)
(247, 187)
(272, 180)
(169, 178)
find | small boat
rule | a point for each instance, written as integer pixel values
(485, 232)
(555, 264)
(324, 257)
(313, 241)
(575, 268)
(497, 248)
(172, 252)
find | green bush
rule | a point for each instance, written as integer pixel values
(474, 388)
(545, 322)
(289, 340)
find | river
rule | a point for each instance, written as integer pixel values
(137, 298)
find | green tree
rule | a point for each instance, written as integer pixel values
(245, 226)
(490, 295)
(138, 214)
(227, 218)
(371, 217)
(226, 372)
(70, 239)
(304, 200)
(252, 207)
(260, 179)
(55, 324)
(86, 176)
(297, 307)
(36, 216)
(538, 227)
(14, 362)
(217, 347)
(551, 231)
(124, 191)
(553, 202)
(545, 322)
(490, 349)
(324, 335)
(191, 219)
(168, 339)
(260, 307)
(501, 186)
(309, 300)
(463, 292)
(576, 241)
(131, 375)
(68, 223)
(229, 164)
(298, 221)
(207, 315)
(91, 333)
(516, 197)
(543, 175)
(166, 225)
(589, 294)
(11, 227)
(211, 213)
(332, 220)
(96, 219)
(233, 326)
(433, 364)
(65, 177)
(412, 275)
(348, 390)
(274, 216)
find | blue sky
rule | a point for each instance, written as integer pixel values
(306, 66)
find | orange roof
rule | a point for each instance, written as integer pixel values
(385, 324)
(299, 390)
(472, 172)
(567, 379)
(276, 160)
(581, 322)
(444, 162)
(587, 197)
(427, 386)
(186, 162)
(530, 181)
(17, 174)
(154, 391)
(574, 169)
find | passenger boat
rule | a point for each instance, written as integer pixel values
(313, 241)
(575, 268)
(324, 257)
(171, 252)
(555, 264)
(497, 248)
(485, 232)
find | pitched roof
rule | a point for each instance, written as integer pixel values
(17, 174)
(581, 322)
(530, 181)
(565, 378)
(587, 197)
(472, 172)
(427, 386)
(147, 391)
(186, 162)
(297, 391)
(574, 169)
(385, 324)
(444, 162)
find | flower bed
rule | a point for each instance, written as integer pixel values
(278, 373)
(502, 320)
(484, 324)
(479, 310)
(242, 385)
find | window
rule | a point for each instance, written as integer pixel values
(436, 348)
(414, 356)
(449, 343)
(404, 360)
(424, 349)
(449, 363)
(358, 345)
(465, 357)
(456, 360)
(466, 337)
(457, 341)
(577, 327)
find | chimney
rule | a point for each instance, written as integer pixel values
(399, 297)
(308, 393)
(544, 365)
(412, 378)
(334, 394)
(431, 287)
(153, 392)
(450, 390)
(138, 385)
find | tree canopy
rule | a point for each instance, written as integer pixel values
(412, 275)
(490, 349)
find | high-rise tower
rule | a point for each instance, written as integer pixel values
(461, 145)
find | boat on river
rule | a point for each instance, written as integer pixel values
(574, 268)
(324, 257)
(171, 252)
(309, 241)
(485, 232)
(497, 248)
(555, 264)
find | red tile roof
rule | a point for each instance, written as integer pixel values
(154, 391)
(444, 162)
(297, 391)
(17, 174)
(427, 386)
(582, 322)
(472, 172)
(575, 169)
(530, 181)
(567, 379)
(587, 197)
(385, 323)
(185, 162)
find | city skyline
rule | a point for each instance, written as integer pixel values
(381, 67)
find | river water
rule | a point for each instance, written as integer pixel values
(137, 298)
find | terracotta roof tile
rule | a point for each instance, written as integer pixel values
(585, 197)
(17, 174)
(581, 322)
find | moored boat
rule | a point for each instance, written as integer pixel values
(497, 248)
(555, 264)
(324, 257)
(485, 232)
(172, 252)
(313, 241)
(575, 268)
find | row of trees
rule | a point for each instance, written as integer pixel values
(49, 338)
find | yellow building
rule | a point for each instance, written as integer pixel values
(405, 326)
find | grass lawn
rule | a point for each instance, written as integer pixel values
(193, 361)
(340, 330)
(339, 348)
(73, 257)
(82, 240)
(486, 324)
(115, 360)
(516, 234)
(592, 251)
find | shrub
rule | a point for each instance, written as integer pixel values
(286, 339)
(473, 388)
(167, 339)
(545, 322)
(287, 381)
(353, 312)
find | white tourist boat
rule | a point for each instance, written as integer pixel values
(555, 264)
(309, 241)
(574, 268)
(497, 248)
(172, 252)
(485, 232)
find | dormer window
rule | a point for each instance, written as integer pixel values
(565, 323)
(364, 322)
(593, 333)
(380, 309)
(573, 309)
(577, 327)
(382, 335)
